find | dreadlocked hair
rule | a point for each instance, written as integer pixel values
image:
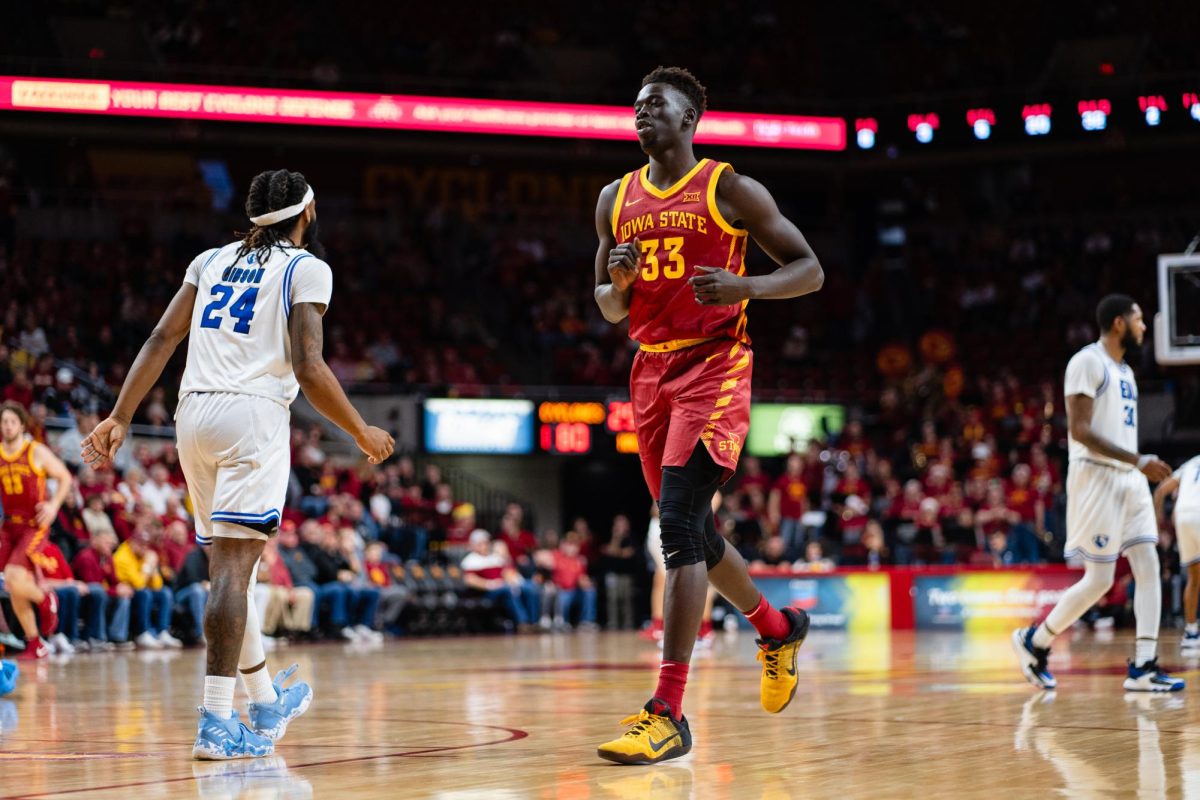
(270, 191)
(683, 80)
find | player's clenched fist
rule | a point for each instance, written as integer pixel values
(376, 443)
(623, 263)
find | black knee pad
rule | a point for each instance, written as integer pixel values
(685, 512)
(714, 543)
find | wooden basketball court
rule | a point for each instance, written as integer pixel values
(902, 715)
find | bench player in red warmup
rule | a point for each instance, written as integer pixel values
(673, 239)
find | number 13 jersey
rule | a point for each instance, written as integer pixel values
(239, 334)
(678, 229)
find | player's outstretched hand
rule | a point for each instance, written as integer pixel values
(1156, 469)
(103, 442)
(623, 263)
(714, 286)
(376, 443)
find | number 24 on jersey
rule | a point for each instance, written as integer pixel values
(242, 309)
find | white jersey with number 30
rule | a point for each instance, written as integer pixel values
(1092, 372)
(239, 336)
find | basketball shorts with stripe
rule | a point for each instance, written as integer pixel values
(1108, 511)
(236, 456)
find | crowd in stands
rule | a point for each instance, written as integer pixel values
(772, 52)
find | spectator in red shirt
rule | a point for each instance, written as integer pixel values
(814, 469)
(572, 582)
(788, 504)
(490, 573)
(20, 390)
(176, 544)
(1024, 498)
(908, 505)
(998, 517)
(753, 475)
(93, 566)
(852, 483)
(520, 543)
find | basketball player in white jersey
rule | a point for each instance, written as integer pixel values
(253, 309)
(1109, 509)
(1185, 485)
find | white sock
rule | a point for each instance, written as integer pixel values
(259, 687)
(1147, 599)
(218, 695)
(1193, 628)
(1144, 650)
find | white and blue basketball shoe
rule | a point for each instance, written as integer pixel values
(1033, 659)
(1149, 678)
(1189, 645)
(271, 719)
(221, 739)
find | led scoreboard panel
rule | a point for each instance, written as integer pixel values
(580, 428)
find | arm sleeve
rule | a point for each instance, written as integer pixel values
(198, 264)
(312, 282)
(1086, 375)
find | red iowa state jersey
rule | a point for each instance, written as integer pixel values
(22, 484)
(678, 228)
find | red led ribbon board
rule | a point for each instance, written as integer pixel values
(399, 112)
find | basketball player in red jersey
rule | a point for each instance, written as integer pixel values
(24, 466)
(673, 239)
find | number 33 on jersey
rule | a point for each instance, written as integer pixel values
(678, 228)
(239, 335)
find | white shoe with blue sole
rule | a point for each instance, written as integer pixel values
(221, 739)
(1149, 678)
(271, 719)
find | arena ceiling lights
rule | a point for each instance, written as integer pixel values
(399, 112)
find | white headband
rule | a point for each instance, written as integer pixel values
(263, 220)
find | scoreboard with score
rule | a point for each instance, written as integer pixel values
(568, 428)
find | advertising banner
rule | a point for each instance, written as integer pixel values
(857, 602)
(986, 601)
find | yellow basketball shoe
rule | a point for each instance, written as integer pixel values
(778, 657)
(655, 736)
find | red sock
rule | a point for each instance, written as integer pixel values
(769, 621)
(672, 678)
(706, 628)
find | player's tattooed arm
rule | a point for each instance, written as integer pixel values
(616, 264)
(747, 202)
(321, 386)
(1079, 422)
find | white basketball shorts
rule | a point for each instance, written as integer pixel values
(236, 456)
(1108, 511)
(1187, 532)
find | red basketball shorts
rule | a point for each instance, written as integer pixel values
(696, 394)
(21, 545)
